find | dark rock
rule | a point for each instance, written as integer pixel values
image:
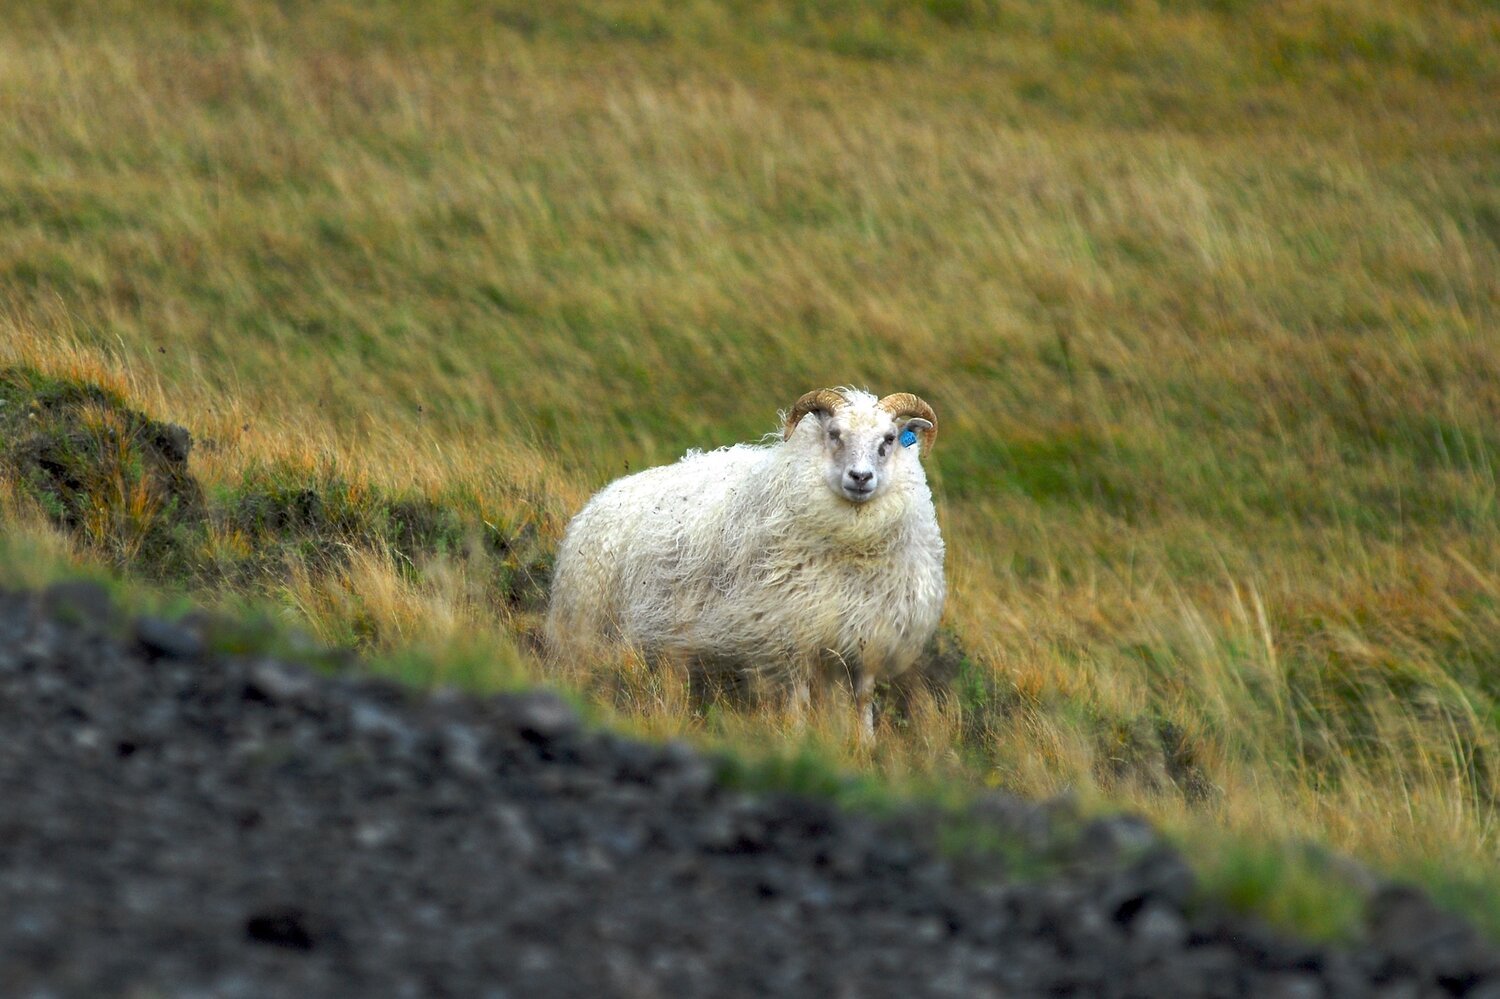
(1406, 924)
(78, 602)
(1398, 988)
(1488, 988)
(684, 772)
(1208, 962)
(1158, 929)
(272, 681)
(1117, 836)
(1012, 815)
(373, 720)
(164, 639)
(542, 716)
(1290, 985)
(1161, 877)
(463, 749)
(285, 926)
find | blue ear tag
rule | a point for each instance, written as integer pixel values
(908, 438)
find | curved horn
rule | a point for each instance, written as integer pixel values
(904, 405)
(818, 401)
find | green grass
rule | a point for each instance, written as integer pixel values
(1288, 887)
(1205, 296)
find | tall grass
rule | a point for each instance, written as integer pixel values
(1205, 295)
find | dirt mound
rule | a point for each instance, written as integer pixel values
(183, 821)
(99, 468)
(120, 481)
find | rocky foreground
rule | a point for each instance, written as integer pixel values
(176, 821)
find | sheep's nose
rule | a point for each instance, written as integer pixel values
(860, 478)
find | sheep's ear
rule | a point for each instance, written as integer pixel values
(910, 428)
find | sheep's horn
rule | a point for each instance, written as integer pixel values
(818, 401)
(904, 405)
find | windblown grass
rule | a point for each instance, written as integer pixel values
(1205, 295)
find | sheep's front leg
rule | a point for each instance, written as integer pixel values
(799, 702)
(864, 708)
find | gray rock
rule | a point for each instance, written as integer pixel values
(1158, 930)
(78, 602)
(278, 681)
(1405, 923)
(1117, 836)
(543, 716)
(463, 749)
(165, 639)
(1487, 988)
(373, 720)
(1290, 985)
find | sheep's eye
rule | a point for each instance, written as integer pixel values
(890, 438)
(833, 435)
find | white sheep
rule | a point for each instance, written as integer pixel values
(813, 557)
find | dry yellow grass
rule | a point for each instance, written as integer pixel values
(1205, 295)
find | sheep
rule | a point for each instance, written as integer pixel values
(800, 559)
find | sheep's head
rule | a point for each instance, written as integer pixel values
(866, 442)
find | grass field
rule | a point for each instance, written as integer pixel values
(1206, 296)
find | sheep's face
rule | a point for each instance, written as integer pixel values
(864, 452)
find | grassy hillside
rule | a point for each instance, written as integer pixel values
(1205, 295)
